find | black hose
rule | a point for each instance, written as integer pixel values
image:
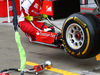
(15, 21)
(10, 69)
(22, 72)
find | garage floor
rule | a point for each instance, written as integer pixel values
(63, 63)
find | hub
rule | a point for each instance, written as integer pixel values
(78, 36)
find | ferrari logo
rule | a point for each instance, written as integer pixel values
(48, 8)
(38, 33)
(36, 5)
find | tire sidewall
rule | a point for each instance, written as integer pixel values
(85, 25)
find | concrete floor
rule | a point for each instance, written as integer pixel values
(9, 55)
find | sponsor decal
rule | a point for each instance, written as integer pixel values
(10, 8)
(45, 34)
(37, 33)
(35, 12)
(48, 8)
(80, 22)
(36, 5)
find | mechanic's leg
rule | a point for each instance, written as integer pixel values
(27, 28)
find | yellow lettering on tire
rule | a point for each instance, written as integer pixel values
(69, 51)
(79, 53)
(73, 53)
(80, 22)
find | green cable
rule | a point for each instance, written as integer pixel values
(21, 51)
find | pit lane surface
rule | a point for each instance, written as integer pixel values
(36, 53)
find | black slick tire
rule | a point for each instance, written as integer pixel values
(81, 35)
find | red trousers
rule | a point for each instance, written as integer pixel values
(27, 28)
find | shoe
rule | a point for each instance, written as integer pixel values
(49, 29)
(29, 37)
(58, 39)
(50, 26)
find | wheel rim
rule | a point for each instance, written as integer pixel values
(75, 36)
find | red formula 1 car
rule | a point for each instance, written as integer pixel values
(80, 35)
